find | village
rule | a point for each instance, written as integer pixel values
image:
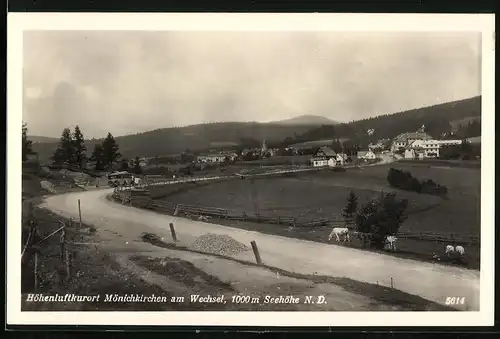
(411, 145)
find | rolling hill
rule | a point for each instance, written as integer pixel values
(195, 137)
(306, 120)
(437, 120)
(42, 140)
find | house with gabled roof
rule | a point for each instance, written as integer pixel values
(324, 156)
(405, 139)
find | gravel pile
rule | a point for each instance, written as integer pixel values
(218, 244)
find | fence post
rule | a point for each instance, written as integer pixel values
(278, 222)
(176, 211)
(68, 265)
(172, 230)
(80, 213)
(225, 214)
(256, 252)
(63, 242)
(294, 222)
(257, 215)
(392, 282)
(36, 271)
(244, 216)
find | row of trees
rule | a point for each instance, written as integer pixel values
(404, 180)
(72, 150)
(378, 218)
(465, 151)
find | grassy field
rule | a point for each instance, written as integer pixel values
(316, 143)
(281, 160)
(323, 194)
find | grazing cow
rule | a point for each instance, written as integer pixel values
(460, 250)
(339, 231)
(390, 240)
(449, 250)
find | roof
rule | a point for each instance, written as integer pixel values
(328, 151)
(412, 135)
(224, 154)
(120, 172)
(361, 153)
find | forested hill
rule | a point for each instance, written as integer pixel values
(175, 140)
(251, 134)
(437, 120)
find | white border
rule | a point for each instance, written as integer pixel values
(18, 22)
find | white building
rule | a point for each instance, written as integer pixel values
(341, 158)
(366, 155)
(216, 157)
(405, 139)
(420, 149)
(324, 156)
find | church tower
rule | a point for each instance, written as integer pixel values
(264, 146)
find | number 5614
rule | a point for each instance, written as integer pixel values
(455, 300)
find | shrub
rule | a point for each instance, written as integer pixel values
(404, 180)
(380, 218)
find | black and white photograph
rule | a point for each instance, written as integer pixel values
(227, 164)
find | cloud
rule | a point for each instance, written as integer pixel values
(128, 82)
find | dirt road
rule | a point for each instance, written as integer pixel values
(123, 225)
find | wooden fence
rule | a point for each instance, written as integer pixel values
(142, 199)
(35, 243)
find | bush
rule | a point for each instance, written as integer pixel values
(404, 180)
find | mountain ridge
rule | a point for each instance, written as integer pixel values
(251, 134)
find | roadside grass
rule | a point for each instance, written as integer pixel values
(379, 293)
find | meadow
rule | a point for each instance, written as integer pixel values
(323, 194)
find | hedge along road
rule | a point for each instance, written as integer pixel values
(122, 226)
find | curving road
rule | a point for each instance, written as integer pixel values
(120, 225)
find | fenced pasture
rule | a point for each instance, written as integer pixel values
(311, 196)
(415, 245)
(323, 193)
(307, 203)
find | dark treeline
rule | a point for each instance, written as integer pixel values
(242, 135)
(404, 180)
(436, 120)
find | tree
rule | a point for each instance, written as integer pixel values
(26, 143)
(79, 149)
(381, 217)
(110, 151)
(64, 152)
(124, 164)
(137, 166)
(351, 207)
(337, 146)
(98, 157)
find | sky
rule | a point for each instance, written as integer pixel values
(131, 82)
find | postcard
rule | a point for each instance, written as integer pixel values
(250, 169)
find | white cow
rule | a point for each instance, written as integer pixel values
(449, 250)
(340, 231)
(390, 241)
(460, 250)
